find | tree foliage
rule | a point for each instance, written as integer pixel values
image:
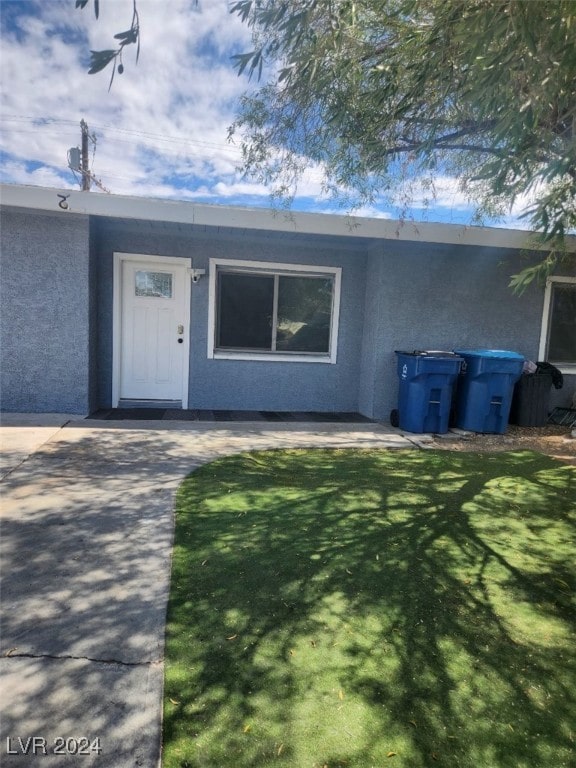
(99, 60)
(381, 92)
(385, 94)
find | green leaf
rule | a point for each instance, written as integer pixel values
(243, 8)
(100, 59)
(245, 61)
(128, 37)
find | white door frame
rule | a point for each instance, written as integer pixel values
(119, 259)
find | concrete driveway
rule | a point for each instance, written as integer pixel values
(86, 527)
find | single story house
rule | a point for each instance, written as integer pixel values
(113, 300)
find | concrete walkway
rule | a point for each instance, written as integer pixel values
(86, 527)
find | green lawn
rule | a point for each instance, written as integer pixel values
(370, 608)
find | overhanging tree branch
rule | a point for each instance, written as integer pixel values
(481, 90)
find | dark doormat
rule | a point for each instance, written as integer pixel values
(166, 414)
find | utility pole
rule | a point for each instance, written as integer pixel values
(78, 160)
(85, 167)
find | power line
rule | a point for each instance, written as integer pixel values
(44, 123)
(41, 122)
(218, 148)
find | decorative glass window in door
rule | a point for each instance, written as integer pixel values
(154, 284)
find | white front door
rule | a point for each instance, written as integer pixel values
(154, 319)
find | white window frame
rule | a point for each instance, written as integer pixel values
(272, 268)
(545, 328)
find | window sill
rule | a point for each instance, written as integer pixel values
(568, 369)
(272, 357)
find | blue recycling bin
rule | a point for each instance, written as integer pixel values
(425, 394)
(485, 389)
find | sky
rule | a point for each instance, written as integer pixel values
(162, 128)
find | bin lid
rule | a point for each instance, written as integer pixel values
(428, 353)
(502, 354)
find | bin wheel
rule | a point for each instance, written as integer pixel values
(394, 417)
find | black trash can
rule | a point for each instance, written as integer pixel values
(531, 400)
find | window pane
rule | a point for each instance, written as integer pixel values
(562, 338)
(304, 313)
(156, 284)
(245, 305)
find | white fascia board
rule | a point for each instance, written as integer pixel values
(184, 212)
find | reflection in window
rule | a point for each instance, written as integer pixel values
(266, 312)
(562, 323)
(304, 310)
(245, 307)
(154, 284)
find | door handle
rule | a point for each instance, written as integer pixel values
(180, 330)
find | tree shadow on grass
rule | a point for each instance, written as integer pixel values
(342, 608)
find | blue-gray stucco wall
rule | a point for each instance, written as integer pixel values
(57, 300)
(239, 384)
(48, 347)
(431, 296)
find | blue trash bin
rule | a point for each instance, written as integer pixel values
(485, 389)
(425, 395)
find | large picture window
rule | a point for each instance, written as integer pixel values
(558, 341)
(281, 312)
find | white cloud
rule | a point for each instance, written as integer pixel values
(368, 211)
(162, 127)
(240, 188)
(164, 122)
(44, 176)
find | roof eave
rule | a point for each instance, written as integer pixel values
(68, 201)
